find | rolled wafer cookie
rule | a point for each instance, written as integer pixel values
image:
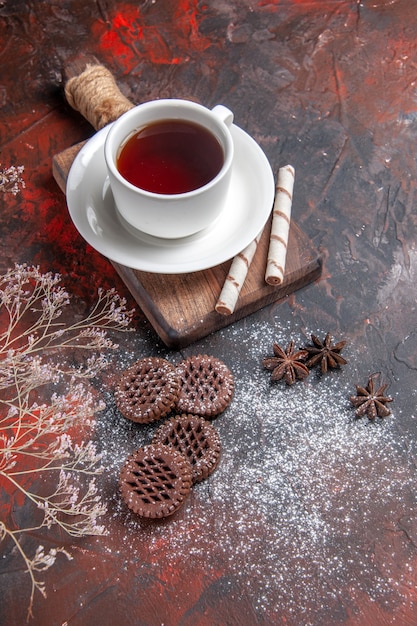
(281, 218)
(235, 278)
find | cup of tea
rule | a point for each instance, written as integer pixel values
(169, 163)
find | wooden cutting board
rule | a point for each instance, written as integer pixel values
(180, 307)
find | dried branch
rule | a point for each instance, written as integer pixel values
(35, 435)
(11, 180)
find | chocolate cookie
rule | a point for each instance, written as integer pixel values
(155, 480)
(196, 439)
(148, 390)
(206, 386)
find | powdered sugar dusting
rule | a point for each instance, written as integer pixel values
(302, 493)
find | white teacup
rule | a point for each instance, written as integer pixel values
(170, 214)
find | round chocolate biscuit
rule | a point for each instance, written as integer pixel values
(196, 439)
(206, 387)
(147, 390)
(155, 480)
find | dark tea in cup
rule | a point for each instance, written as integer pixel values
(171, 156)
(169, 164)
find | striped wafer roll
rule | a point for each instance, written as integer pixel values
(235, 278)
(281, 218)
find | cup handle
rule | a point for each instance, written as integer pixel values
(223, 113)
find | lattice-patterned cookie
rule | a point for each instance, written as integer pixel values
(206, 386)
(196, 439)
(148, 390)
(155, 481)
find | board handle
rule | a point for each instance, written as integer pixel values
(93, 92)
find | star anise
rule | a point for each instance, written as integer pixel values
(325, 353)
(370, 400)
(287, 364)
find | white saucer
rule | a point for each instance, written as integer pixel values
(249, 203)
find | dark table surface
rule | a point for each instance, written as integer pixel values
(310, 517)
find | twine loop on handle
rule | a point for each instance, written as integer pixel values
(95, 94)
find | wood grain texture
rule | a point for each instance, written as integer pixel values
(180, 307)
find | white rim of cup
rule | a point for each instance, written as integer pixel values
(110, 150)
